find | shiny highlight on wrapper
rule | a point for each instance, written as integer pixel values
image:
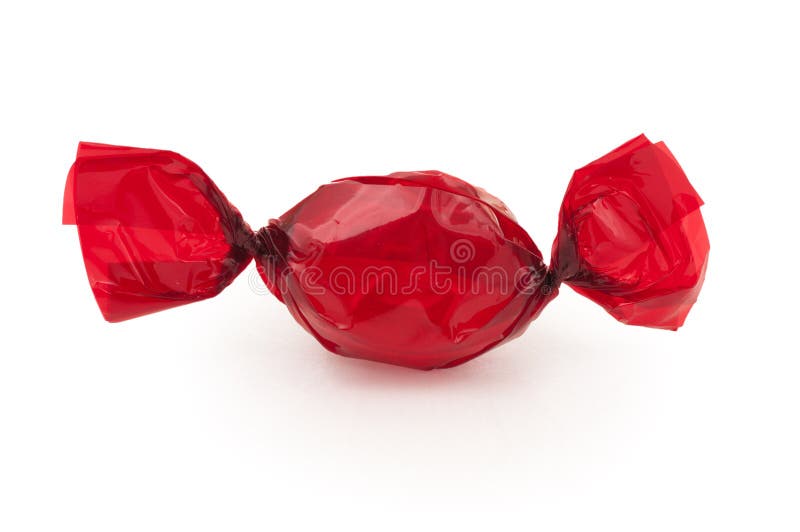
(417, 269)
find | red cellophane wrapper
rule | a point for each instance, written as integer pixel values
(418, 269)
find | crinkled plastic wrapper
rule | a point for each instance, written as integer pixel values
(417, 269)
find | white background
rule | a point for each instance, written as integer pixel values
(225, 415)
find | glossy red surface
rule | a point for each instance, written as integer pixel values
(418, 269)
(155, 232)
(631, 236)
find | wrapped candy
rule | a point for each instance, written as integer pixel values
(418, 269)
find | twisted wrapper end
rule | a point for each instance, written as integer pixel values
(631, 237)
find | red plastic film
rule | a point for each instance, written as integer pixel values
(418, 269)
(631, 237)
(155, 232)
